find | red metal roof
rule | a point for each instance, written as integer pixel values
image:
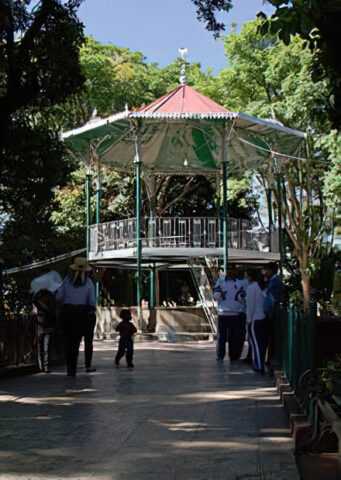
(183, 100)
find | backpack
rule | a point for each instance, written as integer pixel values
(269, 303)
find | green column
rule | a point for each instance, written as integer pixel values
(98, 205)
(280, 227)
(87, 210)
(138, 171)
(152, 287)
(269, 200)
(98, 191)
(225, 220)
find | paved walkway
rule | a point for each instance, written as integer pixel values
(177, 415)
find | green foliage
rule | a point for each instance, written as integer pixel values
(39, 66)
(336, 299)
(269, 79)
(39, 54)
(242, 202)
(318, 22)
(117, 77)
(206, 11)
(68, 215)
(34, 164)
(331, 145)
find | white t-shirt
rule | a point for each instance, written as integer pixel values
(225, 292)
(254, 303)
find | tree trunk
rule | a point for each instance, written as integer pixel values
(305, 288)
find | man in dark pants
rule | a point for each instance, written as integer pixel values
(231, 325)
(276, 288)
(77, 314)
(88, 334)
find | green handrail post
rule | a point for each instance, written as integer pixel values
(289, 342)
(280, 227)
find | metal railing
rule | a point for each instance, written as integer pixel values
(18, 338)
(175, 232)
(294, 342)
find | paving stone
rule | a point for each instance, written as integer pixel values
(177, 415)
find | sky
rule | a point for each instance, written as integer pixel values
(158, 28)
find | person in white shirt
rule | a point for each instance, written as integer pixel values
(257, 322)
(231, 317)
(78, 314)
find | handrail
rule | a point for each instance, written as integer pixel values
(176, 232)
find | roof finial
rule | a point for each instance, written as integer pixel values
(183, 78)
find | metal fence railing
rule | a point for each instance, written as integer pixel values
(176, 232)
(294, 342)
(18, 342)
(18, 339)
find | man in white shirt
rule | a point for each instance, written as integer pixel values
(228, 292)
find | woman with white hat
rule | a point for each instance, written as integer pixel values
(78, 317)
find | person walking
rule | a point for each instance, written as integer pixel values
(276, 289)
(257, 322)
(78, 314)
(45, 304)
(126, 330)
(231, 327)
(242, 284)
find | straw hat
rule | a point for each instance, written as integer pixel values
(80, 264)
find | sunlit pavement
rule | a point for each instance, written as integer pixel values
(177, 415)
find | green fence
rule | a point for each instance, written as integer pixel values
(294, 342)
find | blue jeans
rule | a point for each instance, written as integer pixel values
(231, 329)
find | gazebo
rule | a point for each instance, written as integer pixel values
(183, 132)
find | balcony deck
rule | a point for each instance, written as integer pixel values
(175, 239)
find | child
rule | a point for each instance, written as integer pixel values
(126, 343)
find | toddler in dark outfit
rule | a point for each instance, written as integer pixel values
(126, 343)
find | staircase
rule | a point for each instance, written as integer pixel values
(204, 276)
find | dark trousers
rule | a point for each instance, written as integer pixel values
(259, 337)
(231, 329)
(88, 334)
(125, 347)
(43, 344)
(73, 319)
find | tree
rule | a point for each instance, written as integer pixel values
(39, 65)
(318, 22)
(35, 164)
(332, 188)
(39, 47)
(269, 79)
(115, 77)
(206, 11)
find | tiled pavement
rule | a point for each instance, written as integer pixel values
(177, 415)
